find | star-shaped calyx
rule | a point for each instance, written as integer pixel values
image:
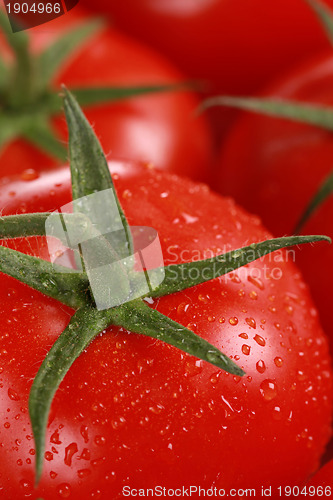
(90, 175)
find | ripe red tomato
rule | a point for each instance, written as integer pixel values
(274, 167)
(236, 45)
(158, 128)
(135, 412)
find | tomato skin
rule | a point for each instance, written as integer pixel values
(134, 411)
(279, 168)
(324, 476)
(158, 128)
(236, 45)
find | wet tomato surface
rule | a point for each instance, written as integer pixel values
(133, 411)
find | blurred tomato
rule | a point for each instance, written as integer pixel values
(274, 167)
(158, 128)
(236, 45)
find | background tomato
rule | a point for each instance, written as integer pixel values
(134, 411)
(159, 128)
(236, 45)
(274, 167)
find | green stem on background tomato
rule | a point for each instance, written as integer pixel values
(27, 99)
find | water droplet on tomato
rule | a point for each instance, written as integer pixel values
(98, 461)
(48, 456)
(164, 430)
(268, 389)
(233, 321)
(214, 378)
(289, 309)
(246, 349)
(55, 438)
(116, 424)
(309, 342)
(202, 298)
(251, 322)
(260, 340)
(301, 375)
(261, 367)
(84, 433)
(70, 450)
(277, 413)
(256, 281)
(234, 278)
(243, 336)
(278, 361)
(64, 490)
(83, 473)
(13, 395)
(26, 486)
(127, 194)
(100, 440)
(96, 494)
(156, 409)
(85, 455)
(29, 174)
(182, 307)
(193, 368)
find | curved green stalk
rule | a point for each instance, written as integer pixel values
(182, 276)
(22, 225)
(19, 226)
(82, 329)
(4, 74)
(102, 95)
(324, 15)
(39, 132)
(55, 281)
(20, 87)
(55, 55)
(323, 193)
(89, 169)
(140, 318)
(97, 95)
(310, 114)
